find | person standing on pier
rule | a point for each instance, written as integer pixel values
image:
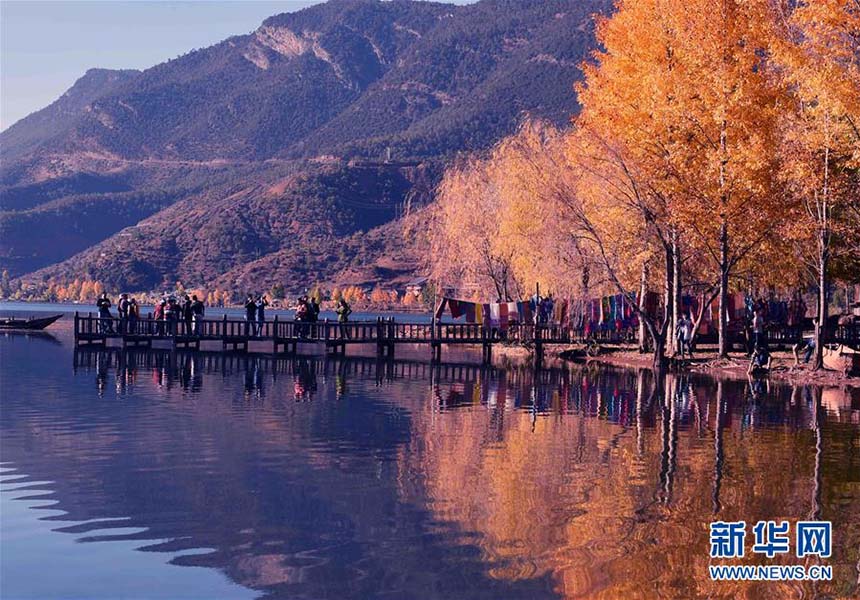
(133, 315)
(262, 303)
(122, 311)
(158, 315)
(104, 305)
(187, 315)
(314, 310)
(251, 316)
(302, 315)
(197, 311)
(170, 315)
(343, 311)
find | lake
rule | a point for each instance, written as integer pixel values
(152, 474)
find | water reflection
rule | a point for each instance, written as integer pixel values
(355, 478)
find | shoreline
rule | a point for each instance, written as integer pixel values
(735, 367)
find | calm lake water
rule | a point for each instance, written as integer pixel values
(158, 475)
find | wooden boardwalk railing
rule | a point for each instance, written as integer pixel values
(285, 335)
(236, 334)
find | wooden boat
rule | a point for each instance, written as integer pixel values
(31, 323)
(842, 358)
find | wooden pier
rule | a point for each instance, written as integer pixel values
(285, 336)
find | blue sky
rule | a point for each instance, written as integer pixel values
(45, 46)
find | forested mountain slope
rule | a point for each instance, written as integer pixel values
(199, 167)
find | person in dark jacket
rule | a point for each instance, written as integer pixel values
(171, 315)
(302, 316)
(262, 303)
(122, 312)
(251, 315)
(197, 312)
(187, 315)
(133, 315)
(760, 362)
(105, 323)
(314, 310)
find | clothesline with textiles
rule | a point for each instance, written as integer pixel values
(742, 307)
(496, 314)
(609, 313)
(615, 312)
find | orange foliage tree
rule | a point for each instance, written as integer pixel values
(681, 92)
(467, 248)
(818, 49)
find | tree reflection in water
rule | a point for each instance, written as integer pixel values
(358, 478)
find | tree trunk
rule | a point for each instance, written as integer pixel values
(658, 357)
(643, 289)
(823, 210)
(668, 293)
(676, 291)
(723, 330)
(658, 332)
(723, 342)
(705, 302)
(821, 326)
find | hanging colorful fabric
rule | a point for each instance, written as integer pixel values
(440, 310)
(495, 314)
(470, 312)
(503, 315)
(456, 308)
(528, 317)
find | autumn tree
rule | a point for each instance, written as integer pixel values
(624, 144)
(466, 245)
(684, 89)
(537, 183)
(624, 225)
(382, 296)
(819, 50)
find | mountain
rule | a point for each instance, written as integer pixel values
(259, 160)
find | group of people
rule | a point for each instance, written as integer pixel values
(174, 317)
(255, 313)
(307, 310)
(757, 317)
(760, 358)
(128, 311)
(170, 315)
(184, 315)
